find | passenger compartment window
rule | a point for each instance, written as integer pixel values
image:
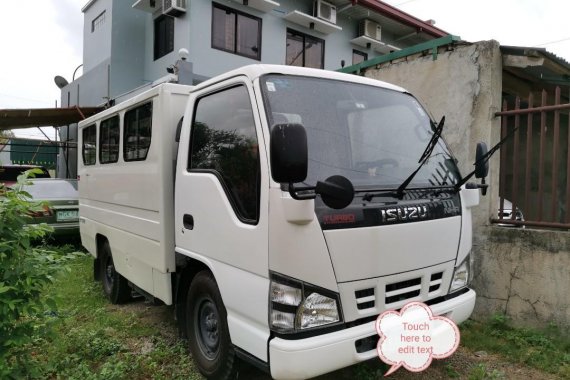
(109, 140)
(137, 133)
(224, 141)
(89, 146)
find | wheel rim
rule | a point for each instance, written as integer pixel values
(109, 274)
(207, 327)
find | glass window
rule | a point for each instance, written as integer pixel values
(371, 135)
(89, 148)
(236, 32)
(109, 140)
(358, 57)
(137, 133)
(163, 36)
(304, 50)
(224, 141)
(98, 22)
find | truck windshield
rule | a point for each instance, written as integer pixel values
(371, 135)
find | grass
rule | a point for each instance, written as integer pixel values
(94, 340)
(547, 350)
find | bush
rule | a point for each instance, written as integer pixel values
(25, 273)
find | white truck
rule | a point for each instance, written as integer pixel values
(281, 210)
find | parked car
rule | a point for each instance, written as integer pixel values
(9, 173)
(507, 212)
(61, 210)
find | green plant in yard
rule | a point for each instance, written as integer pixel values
(480, 372)
(547, 350)
(25, 272)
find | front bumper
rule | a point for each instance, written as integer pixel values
(306, 358)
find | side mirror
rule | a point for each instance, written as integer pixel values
(481, 165)
(336, 192)
(288, 153)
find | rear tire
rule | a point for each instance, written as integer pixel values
(207, 329)
(115, 286)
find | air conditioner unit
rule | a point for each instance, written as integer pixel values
(370, 29)
(173, 7)
(324, 11)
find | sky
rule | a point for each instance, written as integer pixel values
(43, 38)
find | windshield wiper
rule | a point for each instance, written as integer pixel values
(370, 194)
(424, 157)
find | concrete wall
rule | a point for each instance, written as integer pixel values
(127, 48)
(523, 273)
(520, 272)
(97, 44)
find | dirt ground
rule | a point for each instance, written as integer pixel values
(460, 365)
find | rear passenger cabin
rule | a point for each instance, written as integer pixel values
(126, 152)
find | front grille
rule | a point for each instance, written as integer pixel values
(403, 290)
(435, 281)
(365, 299)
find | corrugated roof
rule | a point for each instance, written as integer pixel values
(36, 117)
(528, 50)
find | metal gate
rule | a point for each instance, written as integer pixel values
(534, 187)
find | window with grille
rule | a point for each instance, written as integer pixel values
(89, 145)
(137, 133)
(98, 22)
(109, 140)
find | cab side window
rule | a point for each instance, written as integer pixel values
(224, 142)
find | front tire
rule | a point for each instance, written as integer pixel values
(115, 286)
(207, 329)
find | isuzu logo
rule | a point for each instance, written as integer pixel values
(402, 214)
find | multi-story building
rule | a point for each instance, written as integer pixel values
(129, 44)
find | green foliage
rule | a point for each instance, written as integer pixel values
(25, 273)
(480, 372)
(93, 340)
(450, 371)
(547, 350)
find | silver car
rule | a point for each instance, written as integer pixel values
(61, 210)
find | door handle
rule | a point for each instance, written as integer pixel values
(188, 221)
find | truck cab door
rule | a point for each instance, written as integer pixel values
(221, 204)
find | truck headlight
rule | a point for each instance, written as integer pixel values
(296, 306)
(463, 274)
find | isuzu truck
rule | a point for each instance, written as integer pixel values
(281, 210)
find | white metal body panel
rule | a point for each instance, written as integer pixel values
(240, 249)
(310, 357)
(245, 298)
(469, 199)
(130, 203)
(370, 252)
(298, 250)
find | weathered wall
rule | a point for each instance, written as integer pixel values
(521, 272)
(524, 273)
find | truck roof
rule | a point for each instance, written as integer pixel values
(252, 72)
(255, 71)
(143, 96)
